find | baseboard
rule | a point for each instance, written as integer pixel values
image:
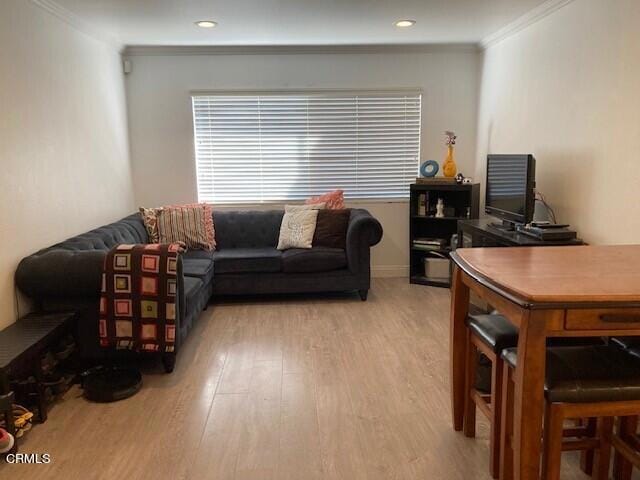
(386, 271)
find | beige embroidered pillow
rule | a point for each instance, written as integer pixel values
(297, 228)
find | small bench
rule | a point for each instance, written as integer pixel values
(22, 345)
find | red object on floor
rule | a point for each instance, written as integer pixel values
(6, 441)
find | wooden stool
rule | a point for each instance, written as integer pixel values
(625, 441)
(488, 334)
(598, 382)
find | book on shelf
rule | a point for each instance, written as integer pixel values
(422, 204)
(441, 242)
(429, 244)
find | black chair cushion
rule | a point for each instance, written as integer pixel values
(498, 333)
(588, 374)
(635, 352)
(574, 341)
(626, 342)
(494, 330)
(247, 260)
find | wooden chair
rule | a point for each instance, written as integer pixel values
(488, 334)
(599, 382)
(625, 441)
(626, 445)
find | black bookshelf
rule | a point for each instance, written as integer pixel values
(462, 202)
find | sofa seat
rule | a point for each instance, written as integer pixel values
(201, 268)
(316, 259)
(192, 286)
(199, 254)
(248, 260)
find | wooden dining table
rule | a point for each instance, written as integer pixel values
(581, 291)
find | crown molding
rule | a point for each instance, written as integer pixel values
(526, 20)
(78, 23)
(159, 50)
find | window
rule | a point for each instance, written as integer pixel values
(268, 147)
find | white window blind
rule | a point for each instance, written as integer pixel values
(253, 148)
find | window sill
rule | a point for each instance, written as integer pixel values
(360, 201)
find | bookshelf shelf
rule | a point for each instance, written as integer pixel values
(440, 250)
(461, 202)
(422, 280)
(422, 217)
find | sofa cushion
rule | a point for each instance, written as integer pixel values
(331, 228)
(191, 224)
(247, 260)
(316, 259)
(198, 267)
(248, 229)
(333, 200)
(298, 225)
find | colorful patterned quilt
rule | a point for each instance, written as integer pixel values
(138, 305)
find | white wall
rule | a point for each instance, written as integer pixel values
(63, 137)
(161, 129)
(568, 89)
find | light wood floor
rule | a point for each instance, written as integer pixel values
(302, 388)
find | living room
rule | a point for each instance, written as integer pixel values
(326, 363)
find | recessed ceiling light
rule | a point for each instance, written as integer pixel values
(405, 23)
(206, 24)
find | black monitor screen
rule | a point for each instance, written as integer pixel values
(509, 185)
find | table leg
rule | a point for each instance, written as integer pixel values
(529, 396)
(457, 346)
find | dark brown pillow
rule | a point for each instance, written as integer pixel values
(331, 228)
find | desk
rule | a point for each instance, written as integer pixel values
(580, 291)
(482, 234)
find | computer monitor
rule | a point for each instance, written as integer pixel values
(510, 188)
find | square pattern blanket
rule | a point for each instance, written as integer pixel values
(138, 304)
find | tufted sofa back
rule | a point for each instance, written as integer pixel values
(128, 230)
(247, 229)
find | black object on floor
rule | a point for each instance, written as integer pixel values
(110, 383)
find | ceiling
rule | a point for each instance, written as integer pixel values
(297, 22)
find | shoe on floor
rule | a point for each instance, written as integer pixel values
(6, 441)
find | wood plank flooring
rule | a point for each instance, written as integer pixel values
(295, 388)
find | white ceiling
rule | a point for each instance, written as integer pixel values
(297, 22)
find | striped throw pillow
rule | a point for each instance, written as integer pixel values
(191, 224)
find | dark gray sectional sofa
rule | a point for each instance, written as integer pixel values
(246, 261)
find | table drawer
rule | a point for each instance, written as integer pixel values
(603, 319)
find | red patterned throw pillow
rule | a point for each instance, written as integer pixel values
(191, 224)
(333, 200)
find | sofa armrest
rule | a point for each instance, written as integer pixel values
(61, 273)
(364, 231)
